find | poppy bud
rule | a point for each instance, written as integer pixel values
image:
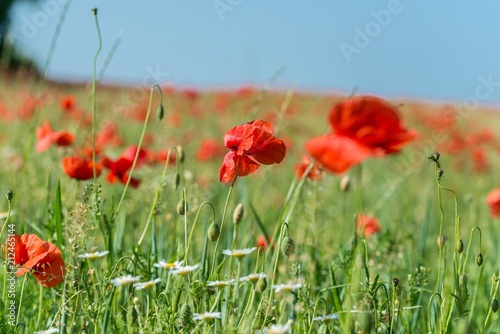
(395, 282)
(287, 247)
(182, 207)
(160, 112)
(180, 153)
(441, 240)
(440, 173)
(238, 213)
(345, 183)
(213, 232)
(494, 305)
(435, 156)
(459, 247)
(479, 259)
(9, 194)
(177, 181)
(463, 280)
(262, 284)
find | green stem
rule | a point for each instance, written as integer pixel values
(194, 224)
(94, 87)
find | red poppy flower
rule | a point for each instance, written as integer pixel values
(363, 126)
(40, 257)
(46, 137)
(67, 103)
(367, 225)
(118, 171)
(493, 200)
(209, 149)
(251, 144)
(315, 172)
(80, 168)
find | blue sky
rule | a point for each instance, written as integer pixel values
(436, 50)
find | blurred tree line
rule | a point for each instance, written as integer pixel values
(9, 56)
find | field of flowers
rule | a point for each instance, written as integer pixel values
(169, 209)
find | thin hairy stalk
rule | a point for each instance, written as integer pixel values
(194, 225)
(94, 88)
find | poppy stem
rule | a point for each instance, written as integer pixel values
(222, 223)
(94, 102)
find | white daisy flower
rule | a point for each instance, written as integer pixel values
(238, 253)
(124, 280)
(184, 270)
(220, 284)
(327, 318)
(253, 278)
(278, 329)
(207, 316)
(48, 331)
(286, 287)
(146, 285)
(93, 256)
(168, 265)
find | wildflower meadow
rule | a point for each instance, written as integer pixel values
(169, 209)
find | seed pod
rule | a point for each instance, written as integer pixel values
(494, 305)
(440, 173)
(435, 156)
(238, 213)
(287, 247)
(459, 247)
(9, 194)
(262, 284)
(160, 112)
(213, 232)
(181, 207)
(479, 259)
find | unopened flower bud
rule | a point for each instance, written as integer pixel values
(160, 112)
(287, 247)
(213, 232)
(395, 282)
(135, 300)
(441, 241)
(494, 305)
(479, 259)
(182, 207)
(345, 183)
(440, 173)
(238, 213)
(177, 181)
(180, 153)
(262, 284)
(459, 247)
(463, 280)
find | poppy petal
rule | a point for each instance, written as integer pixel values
(338, 153)
(266, 148)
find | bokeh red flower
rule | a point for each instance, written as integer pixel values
(46, 137)
(363, 127)
(42, 258)
(367, 225)
(493, 200)
(80, 168)
(314, 174)
(250, 144)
